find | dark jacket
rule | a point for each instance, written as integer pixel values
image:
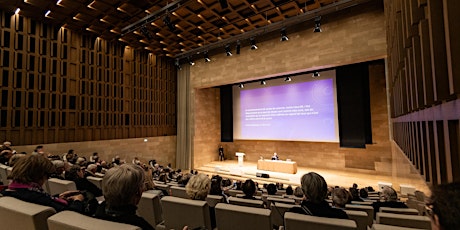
(124, 214)
(322, 210)
(37, 196)
(389, 204)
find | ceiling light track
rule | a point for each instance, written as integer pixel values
(309, 15)
(153, 16)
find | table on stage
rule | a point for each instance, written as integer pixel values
(277, 166)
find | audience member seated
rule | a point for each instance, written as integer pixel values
(183, 180)
(70, 157)
(198, 188)
(271, 189)
(216, 187)
(289, 191)
(76, 174)
(59, 169)
(122, 188)
(91, 170)
(444, 207)
(15, 158)
(148, 180)
(5, 156)
(354, 191)
(94, 158)
(298, 192)
(314, 188)
(28, 176)
(363, 194)
(340, 197)
(249, 189)
(390, 199)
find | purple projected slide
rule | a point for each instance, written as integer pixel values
(301, 111)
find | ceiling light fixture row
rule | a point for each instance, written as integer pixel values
(286, 79)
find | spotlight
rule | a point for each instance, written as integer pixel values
(146, 33)
(190, 61)
(17, 11)
(167, 22)
(177, 64)
(238, 47)
(287, 79)
(206, 57)
(227, 50)
(47, 13)
(241, 86)
(253, 43)
(316, 74)
(284, 37)
(263, 82)
(317, 25)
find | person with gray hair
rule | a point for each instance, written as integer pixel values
(389, 198)
(122, 188)
(314, 188)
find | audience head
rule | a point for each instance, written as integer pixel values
(363, 193)
(75, 172)
(59, 165)
(216, 182)
(289, 190)
(444, 206)
(298, 192)
(184, 179)
(7, 144)
(92, 168)
(314, 187)
(198, 186)
(340, 197)
(15, 158)
(249, 188)
(123, 185)
(271, 189)
(32, 169)
(389, 194)
(39, 149)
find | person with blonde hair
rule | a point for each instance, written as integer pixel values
(122, 188)
(28, 176)
(198, 187)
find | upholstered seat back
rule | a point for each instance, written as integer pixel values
(295, 221)
(68, 220)
(18, 214)
(179, 212)
(229, 217)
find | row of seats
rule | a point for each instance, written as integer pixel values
(18, 214)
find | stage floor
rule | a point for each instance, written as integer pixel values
(230, 169)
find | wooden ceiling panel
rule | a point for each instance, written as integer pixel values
(197, 23)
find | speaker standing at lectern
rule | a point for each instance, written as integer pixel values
(275, 157)
(221, 153)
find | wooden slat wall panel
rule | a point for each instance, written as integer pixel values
(61, 86)
(422, 66)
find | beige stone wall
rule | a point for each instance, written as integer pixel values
(162, 149)
(356, 36)
(351, 37)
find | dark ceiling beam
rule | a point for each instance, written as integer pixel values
(309, 15)
(152, 17)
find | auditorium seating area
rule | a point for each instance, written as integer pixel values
(175, 210)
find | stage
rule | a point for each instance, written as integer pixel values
(230, 169)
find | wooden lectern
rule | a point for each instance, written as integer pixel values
(240, 158)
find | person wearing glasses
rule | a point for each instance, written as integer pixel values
(444, 207)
